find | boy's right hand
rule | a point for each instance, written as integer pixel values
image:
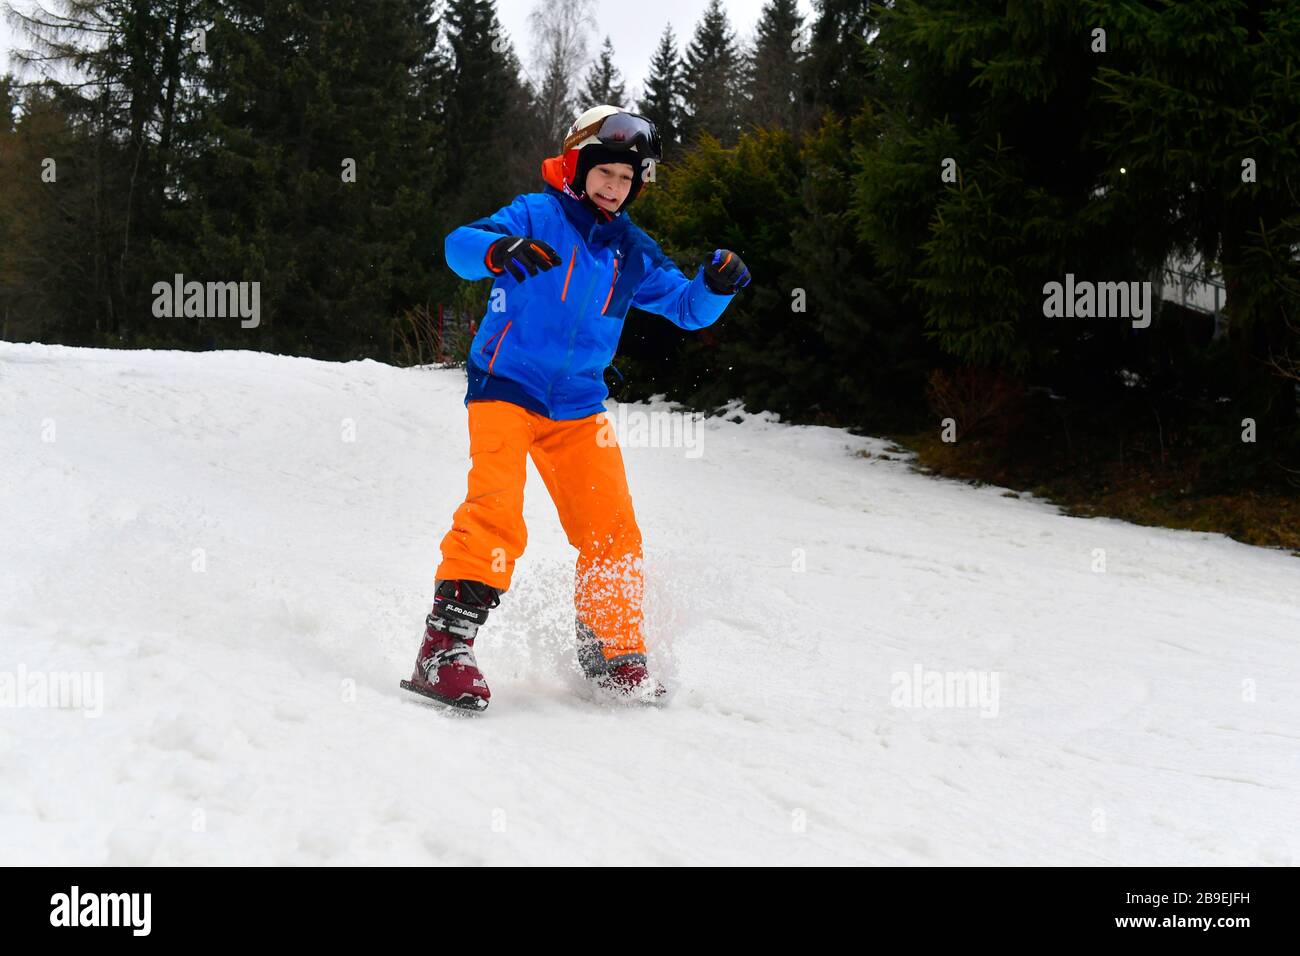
(517, 253)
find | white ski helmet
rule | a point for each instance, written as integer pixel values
(587, 123)
(604, 134)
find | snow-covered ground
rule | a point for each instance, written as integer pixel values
(236, 550)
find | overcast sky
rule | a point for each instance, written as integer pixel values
(634, 27)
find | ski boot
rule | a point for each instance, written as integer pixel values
(619, 680)
(446, 671)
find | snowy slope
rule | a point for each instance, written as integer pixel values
(250, 585)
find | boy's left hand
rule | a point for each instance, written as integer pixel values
(725, 273)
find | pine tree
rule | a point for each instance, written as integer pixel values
(8, 102)
(774, 85)
(130, 61)
(1012, 152)
(604, 83)
(976, 186)
(555, 106)
(58, 235)
(308, 172)
(662, 102)
(712, 79)
(487, 111)
(1205, 112)
(840, 66)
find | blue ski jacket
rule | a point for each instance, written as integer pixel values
(545, 343)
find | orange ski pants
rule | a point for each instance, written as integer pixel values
(581, 464)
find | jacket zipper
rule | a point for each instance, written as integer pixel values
(612, 283)
(573, 256)
(573, 332)
(573, 335)
(500, 337)
(498, 348)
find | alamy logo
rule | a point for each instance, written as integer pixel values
(102, 909)
(639, 428)
(208, 300)
(1098, 300)
(927, 690)
(63, 690)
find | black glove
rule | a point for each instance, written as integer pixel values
(725, 273)
(514, 252)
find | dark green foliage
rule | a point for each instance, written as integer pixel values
(883, 293)
(813, 336)
(662, 101)
(712, 79)
(292, 98)
(604, 82)
(1009, 102)
(1104, 165)
(774, 81)
(839, 73)
(1197, 90)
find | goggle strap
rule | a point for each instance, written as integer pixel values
(593, 129)
(573, 139)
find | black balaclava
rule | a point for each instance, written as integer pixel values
(597, 154)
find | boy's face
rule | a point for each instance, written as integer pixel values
(608, 185)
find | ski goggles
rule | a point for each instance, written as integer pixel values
(621, 131)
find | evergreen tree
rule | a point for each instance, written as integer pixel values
(1015, 153)
(816, 336)
(712, 79)
(308, 172)
(487, 112)
(774, 86)
(662, 102)
(840, 66)
(604, 83)
(61, 219)
(8, 102)
(130, 60)
(975, 186)
(1207, 133)
(875, 359)
(556, 106)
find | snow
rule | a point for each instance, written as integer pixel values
(198, 533)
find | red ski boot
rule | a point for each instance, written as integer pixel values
(629, 682)
(620, 680)
(446, 671)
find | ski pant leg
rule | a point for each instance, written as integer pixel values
(487, 532)
(582, 467)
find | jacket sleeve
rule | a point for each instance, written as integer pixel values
(687, 303)
(466, 246)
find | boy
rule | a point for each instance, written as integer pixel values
(568, 263)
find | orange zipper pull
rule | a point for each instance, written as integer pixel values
(498, 348)
(573, 256)
(612, 283)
